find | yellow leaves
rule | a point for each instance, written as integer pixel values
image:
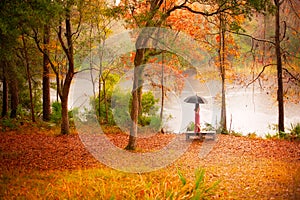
(240, 19)
(243, 2)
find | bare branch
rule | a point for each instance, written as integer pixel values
(257, 77)
(253, 38)
(294, 77)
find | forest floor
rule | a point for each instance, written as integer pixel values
(37, 163)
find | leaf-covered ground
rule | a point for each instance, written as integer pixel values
(246, 168)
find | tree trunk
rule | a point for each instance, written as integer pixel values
(99, 97)
(279, 69)
(139, 60)
(65, 126)
(14, 91)
(105, 100)
(64, 94)
(136, 96)
(28, 78)
(5, 94)
(46, 78)
(162, 88)
(223, 122)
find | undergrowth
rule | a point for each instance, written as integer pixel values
(104, 183)
(292, 134)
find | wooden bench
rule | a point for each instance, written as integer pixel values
(200, 135)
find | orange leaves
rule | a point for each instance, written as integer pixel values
(192, 24)
(247, 168)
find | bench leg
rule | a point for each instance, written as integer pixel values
(201, 136)
(214, 137)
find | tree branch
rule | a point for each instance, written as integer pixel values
(257, 77)
(294, 77)
(59, 34)
(253, 38)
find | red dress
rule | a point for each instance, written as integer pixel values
(197, 122)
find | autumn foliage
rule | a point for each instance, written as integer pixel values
(47, 165)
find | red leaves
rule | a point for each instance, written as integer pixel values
(218, 38)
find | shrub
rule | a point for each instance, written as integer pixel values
(208, 127)
(155, 122)
(295, 130)
(122, 107)
(56, 113)
(8, 124)
(190, 126)
(222, 131)
(236, 134)
(294, 133)
(252, 135)
(269, 136)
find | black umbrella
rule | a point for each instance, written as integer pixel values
(195, 99)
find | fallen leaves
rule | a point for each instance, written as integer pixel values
(247, 168)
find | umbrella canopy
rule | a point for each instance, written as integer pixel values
(195, 99)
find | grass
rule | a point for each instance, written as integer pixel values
(104, 183)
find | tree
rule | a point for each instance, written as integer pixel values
(145, 14)
(13, 89)
(4, 92)
(64, 74)
(285, 23)
(10, 22)
(222, 64)
(28, 74)
(279, 66)
(100, 21)
(46, 75)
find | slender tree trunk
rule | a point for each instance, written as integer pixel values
(28, 78)
(5, 94)
(46, 78)
(223, 122)
(162, 88)
(105, 100)
(279, 69)
(14, 90)
(99, 97)
(101, 78)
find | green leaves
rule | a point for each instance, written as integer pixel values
(181, 177)
(200, 189)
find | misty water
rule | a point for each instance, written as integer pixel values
(248, 110)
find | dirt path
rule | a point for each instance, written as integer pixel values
(247, 168)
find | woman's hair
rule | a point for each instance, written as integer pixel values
(196, 107)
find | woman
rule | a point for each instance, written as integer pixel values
(197, 119)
